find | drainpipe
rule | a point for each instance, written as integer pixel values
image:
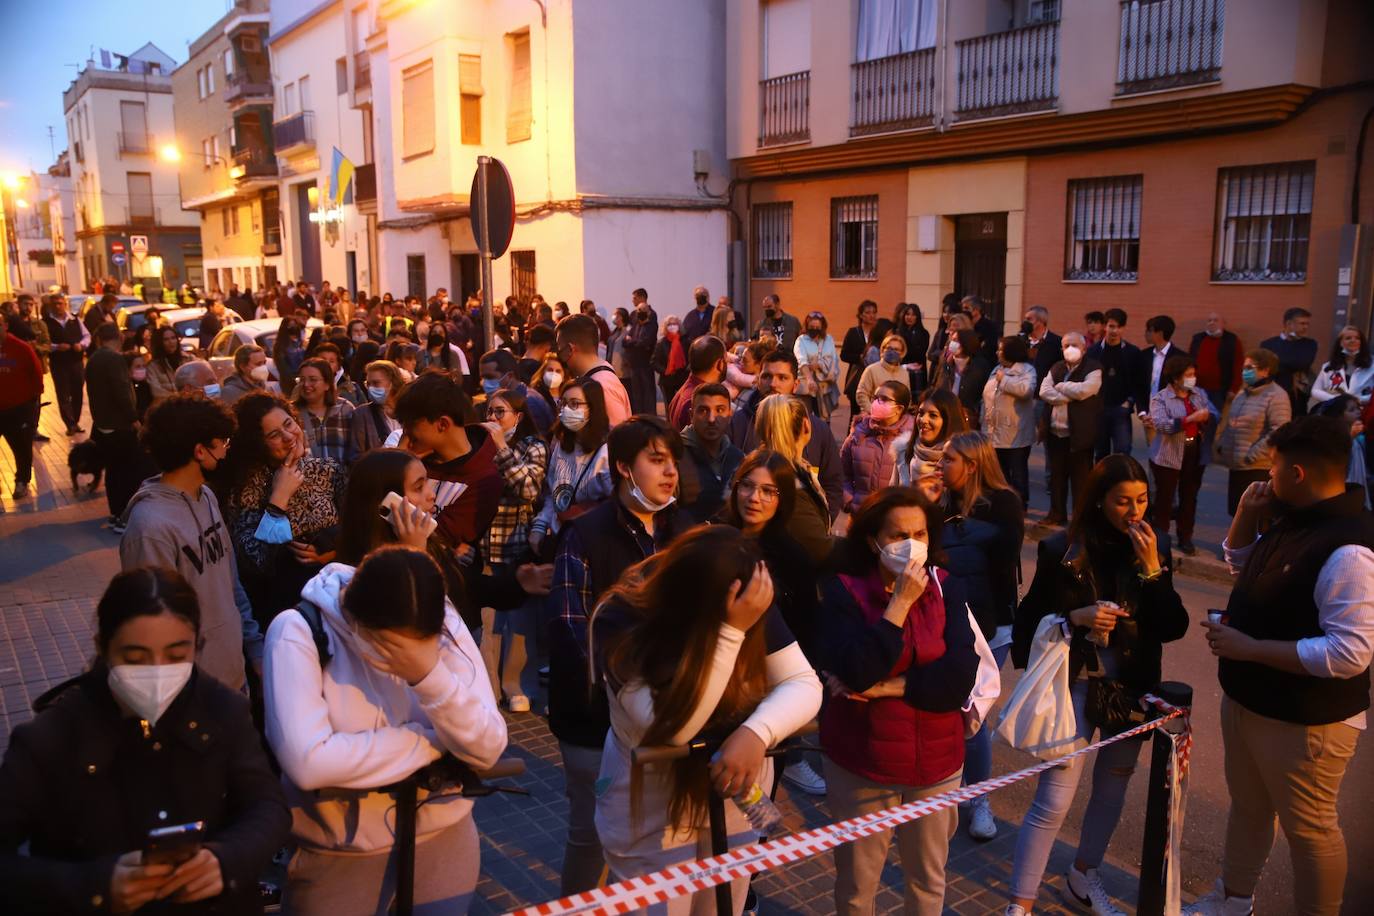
(941, 62)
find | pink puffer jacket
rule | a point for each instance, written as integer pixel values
(868, 457)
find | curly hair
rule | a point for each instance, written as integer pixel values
(248, 449)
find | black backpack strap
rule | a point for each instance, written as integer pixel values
(378, 422)
(314, 618)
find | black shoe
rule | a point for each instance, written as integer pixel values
(1187, 548)
(39, 437)
(751, 904)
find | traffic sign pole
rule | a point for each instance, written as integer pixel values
(488, 316)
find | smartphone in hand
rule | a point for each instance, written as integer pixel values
(173, 845)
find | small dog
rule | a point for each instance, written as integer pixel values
(85, 458)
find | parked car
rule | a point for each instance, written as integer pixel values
(187, 323)
(81, 303)
(260, 331)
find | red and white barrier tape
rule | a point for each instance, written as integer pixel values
(703, 874)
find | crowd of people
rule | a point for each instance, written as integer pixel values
(344, 554)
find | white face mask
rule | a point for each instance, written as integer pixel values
(898, 554)
(148, 689)
(572, 419)
(1072, 354)
(258, 373)
(645, 503)
(1190, 383)
(553, 379)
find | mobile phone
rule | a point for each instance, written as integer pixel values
(390, 503)
(173, 845)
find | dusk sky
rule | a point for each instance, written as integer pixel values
(45, 37)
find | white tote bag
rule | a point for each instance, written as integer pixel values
(1038, 716)
(987, 685)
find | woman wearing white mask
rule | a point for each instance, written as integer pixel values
(250, 373)
(549, 378)
(1350, 370)
(579, 474)
(385, 681)
(1182, 414)
(372, 423)
(899, 660)
(142, 740)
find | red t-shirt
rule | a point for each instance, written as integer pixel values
(21, 375)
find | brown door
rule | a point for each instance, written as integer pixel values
(980, 260)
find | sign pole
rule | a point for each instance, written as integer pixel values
(488, 317)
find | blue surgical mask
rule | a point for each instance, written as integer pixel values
(212, 391)
(491, 385)
(1249, 376)
(378, 395)
(892, 357)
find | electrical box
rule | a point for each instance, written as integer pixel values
(928, 232)
(701, 163)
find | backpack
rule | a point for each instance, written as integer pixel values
(314, 619)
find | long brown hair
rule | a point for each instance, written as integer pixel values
(986, 474)
(676, 603)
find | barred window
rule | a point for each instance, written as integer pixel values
(1104, 228)
(854, 236)
(773, 240)
(523, 280)
(1264, 218)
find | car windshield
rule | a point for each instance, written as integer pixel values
(137, 320)
(188, 327)
(266, 339)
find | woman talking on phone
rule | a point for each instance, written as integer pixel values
(1108, 581)
(142, 741)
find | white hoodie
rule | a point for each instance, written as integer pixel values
(350, 726)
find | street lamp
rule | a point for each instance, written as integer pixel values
(169, 153)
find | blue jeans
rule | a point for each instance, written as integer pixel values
(1111, 776)
(978, 749)
(1113, 433)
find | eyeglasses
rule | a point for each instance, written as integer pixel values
(767, 492)
(278, 435)
(497, 413)
(575, 405)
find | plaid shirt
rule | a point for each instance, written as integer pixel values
(571, 593)
(330, 436)
(522, 465)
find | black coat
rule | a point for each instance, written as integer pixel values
(1049, 352)
(82, 784)
(1065, 580)
(983, 553)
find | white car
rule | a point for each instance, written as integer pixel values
(260, 331)
(186, 322)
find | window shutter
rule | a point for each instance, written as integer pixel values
(518, 105)
(417, 110)
(470, 98)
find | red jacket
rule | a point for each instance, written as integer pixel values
(21, 375)
(465, 518)
(890, 740)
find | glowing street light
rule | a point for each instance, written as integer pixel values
(169, 153)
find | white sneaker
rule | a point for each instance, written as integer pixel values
(518, 703)
(981, 826)
(1085, 887)
(1014, 909)
(800, 776)
(1216, 903)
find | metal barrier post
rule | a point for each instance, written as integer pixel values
(406, 797)
(1155, 842)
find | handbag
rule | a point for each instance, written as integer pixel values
(1112, 706)
(1039, 717)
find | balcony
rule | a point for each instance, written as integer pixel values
(244, 86)
(893, 93)
(365, 184)
(1166, 44)
(254, 162)
(1009, 72)
(294, 133)
(135, 143)
(271, 241)
(362, 71)
(785, 109)
(142, 213)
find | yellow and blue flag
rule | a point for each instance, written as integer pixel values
(341, 179)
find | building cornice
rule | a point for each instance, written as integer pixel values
(1173, 118)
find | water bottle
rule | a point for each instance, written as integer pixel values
(763, 815)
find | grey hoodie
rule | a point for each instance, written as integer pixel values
(168, 528)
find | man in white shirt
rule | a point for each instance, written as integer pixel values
(1295, 648)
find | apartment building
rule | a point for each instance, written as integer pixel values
(1164, 156)
(226, 158)
(608, 115)
(33, 265)
(57, 197)
(118, 115)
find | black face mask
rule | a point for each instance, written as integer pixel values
(437, 340)
(813, 332)
(771, 313)
(1027, 329)
(702, 300)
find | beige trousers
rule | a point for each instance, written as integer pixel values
(1292, 772)
(923, 844)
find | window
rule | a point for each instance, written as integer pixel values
(304, 83)
(228, 62)
(206, 152)
(341, 76)
(133, 125)
(891, 27)
(200, 83)
(519, 106)
(224, 220)
(209, 79)
(140, 185)
(470, 98)
(233, 219)
(1104, 228)
(1264, 218)
(854, 236)
(417, 111)
(415, 276)
(523, 283)
(290, 100)
(214, 149)
(773, 240)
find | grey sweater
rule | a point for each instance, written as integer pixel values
(166, 527)
(1255, 413)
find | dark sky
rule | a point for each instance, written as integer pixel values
(42, 37)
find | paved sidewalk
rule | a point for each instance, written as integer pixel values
(56, 555)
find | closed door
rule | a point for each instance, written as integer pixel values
(309, 235)
(980, 260)
(467, 276)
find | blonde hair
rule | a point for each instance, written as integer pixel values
(984, 475)
(896, 340)
(390, 369)
(780, 423)
(959, 322)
